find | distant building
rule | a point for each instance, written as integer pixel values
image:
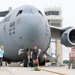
(53, 15)
(54, 18)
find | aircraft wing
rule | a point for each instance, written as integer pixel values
(3, 13)
(55, 32)
(66, 35)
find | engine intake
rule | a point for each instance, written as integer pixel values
(68, 37)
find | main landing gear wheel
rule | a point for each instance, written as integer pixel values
(42, 64)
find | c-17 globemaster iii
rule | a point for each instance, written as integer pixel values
(25, 27)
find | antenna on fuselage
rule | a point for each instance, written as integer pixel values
(10, 9)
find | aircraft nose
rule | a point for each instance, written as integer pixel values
(33, 28)
(32, 34)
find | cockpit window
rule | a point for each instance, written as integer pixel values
(40, 13)
(19, 12)
(29, 11)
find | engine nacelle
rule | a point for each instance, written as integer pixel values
(68, 37)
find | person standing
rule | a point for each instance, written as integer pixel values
(73, 63)
(31, 60)
(71, 58)
(34, 55)
(1, 55)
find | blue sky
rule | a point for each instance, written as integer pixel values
(67, 6)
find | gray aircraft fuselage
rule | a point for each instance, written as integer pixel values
(24, 28)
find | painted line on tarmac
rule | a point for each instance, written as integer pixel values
(8, 71)
(53, 72)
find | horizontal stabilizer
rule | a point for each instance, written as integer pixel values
(3, 13)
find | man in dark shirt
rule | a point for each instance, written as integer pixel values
(34, 55)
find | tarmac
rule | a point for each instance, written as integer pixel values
(19, 70)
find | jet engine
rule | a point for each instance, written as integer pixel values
(68, 37)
